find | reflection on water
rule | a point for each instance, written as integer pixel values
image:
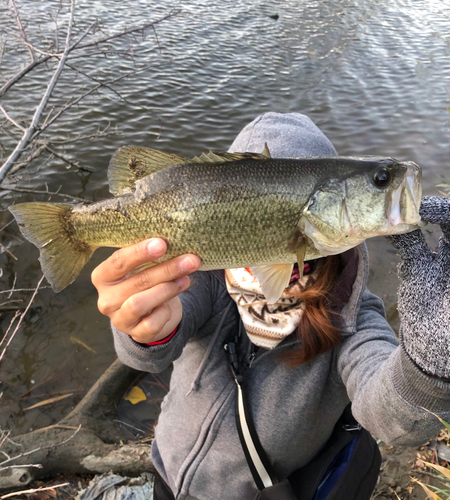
(372, 74)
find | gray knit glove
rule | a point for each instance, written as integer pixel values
(424, 293)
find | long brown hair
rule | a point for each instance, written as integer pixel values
(317, 332)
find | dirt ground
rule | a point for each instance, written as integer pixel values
(395, 477)
(395, 481)
(399, 466)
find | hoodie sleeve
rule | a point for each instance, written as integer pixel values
(388, 391)
(197, 304)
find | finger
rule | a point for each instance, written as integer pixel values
(145, 303)
(150, 326)
(411, 246)
(111, 298)
(167, 271)
(122, 261)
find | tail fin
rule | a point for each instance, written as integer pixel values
(47, 225)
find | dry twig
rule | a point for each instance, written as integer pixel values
(35, 490)
(40, 448)
(52, 193)
(21, 319)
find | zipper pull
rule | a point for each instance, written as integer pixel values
(352, 427)
(251, 358)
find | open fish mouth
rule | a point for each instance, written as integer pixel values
(335, 230)
(403, 209)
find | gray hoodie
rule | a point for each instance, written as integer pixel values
(197, 448)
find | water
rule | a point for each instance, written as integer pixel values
(372, 74)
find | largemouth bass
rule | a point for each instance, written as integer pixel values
(230, 209)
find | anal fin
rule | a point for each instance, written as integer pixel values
(273, 279)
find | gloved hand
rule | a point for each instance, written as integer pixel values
(424, 293)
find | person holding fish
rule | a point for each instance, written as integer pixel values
(269, 352)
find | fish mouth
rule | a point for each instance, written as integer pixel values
(404, 203)
(401, 216)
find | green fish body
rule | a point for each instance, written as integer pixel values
(232, 210)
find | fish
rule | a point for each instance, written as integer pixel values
(231, 209)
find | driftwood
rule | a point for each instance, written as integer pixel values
(86, 441)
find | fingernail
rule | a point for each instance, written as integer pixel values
(155, 246)
(182, 282)
(188, 264)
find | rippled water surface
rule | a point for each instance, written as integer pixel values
(373, 75)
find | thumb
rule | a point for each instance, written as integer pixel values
(435, 209)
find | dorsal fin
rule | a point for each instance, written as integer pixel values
(212, 157)
(131, 163)
(265, 151)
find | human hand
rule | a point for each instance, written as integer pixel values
(424, 292)
(146, 305)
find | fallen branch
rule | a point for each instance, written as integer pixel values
(38, 466)
(35, 490)
(94, 449)
(40, 448)
(430, 474)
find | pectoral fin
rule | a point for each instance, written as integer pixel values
(273, 279)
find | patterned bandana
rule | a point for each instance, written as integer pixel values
(268, 324)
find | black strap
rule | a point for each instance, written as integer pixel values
(258, 462)
(161, 490)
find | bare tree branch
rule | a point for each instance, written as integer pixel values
(42, 105)
(11, 120)
(15, 79)
(37, 152)
(52, 193)
(96, 80)
(83, 36)
(21, 30)
(76, 101)
(65, 160)
(42, 52)
(138, 29)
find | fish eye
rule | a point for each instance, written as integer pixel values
(382, 177)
